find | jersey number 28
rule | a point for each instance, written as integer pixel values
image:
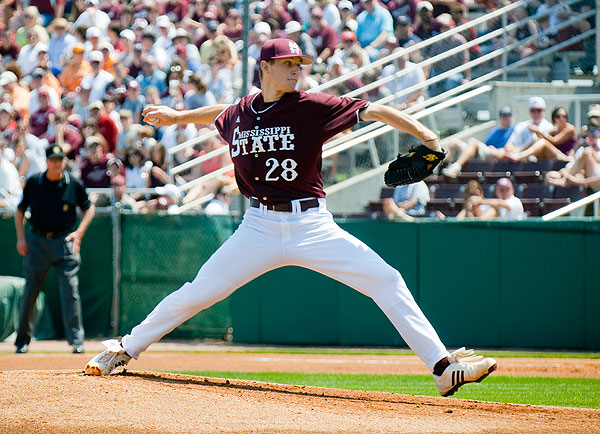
(287, 173)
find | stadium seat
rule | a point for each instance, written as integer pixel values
(531, 207)
(558, 164)
(386, 192)
(574, 193)
(549, 205)
(502, 169)
(442, 191)
(533, 171)
(541, 191)
(475, 169)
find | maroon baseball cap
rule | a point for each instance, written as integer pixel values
(282, 48)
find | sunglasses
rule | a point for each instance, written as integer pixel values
(536, 110)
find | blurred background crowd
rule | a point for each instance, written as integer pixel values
(77, 73)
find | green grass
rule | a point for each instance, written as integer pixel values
(402, 352)
(562, 392)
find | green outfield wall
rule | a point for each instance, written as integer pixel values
(529, 284)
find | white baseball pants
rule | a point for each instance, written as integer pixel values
(266, 240)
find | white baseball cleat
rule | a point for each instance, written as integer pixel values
(107, 361)
(464, 368)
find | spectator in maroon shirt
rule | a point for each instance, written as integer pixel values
(425, 25)
(65, 135)
(8, 44)
(93, 167)
(106, 126)
(276, 15)
(323, 35)
(40, 119)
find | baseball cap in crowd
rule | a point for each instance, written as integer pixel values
(537, 102)
(352, 25)
(92, 141)
(348, 35)
(446, 20)
(424, 4)
(7, 107)
(93, 32)
(505, 111)
(140, 23)
(7, 77)
(292, 27)
(55, 152)
(91, 2)
(44, 90)
(127, 34)
(96, 56)
(133, 84)
(78, 48)
(345, 4)
(262, 27)
(281, 48)
(316, 12)
(593, 110)
(59, 23)
(95, 105)
(212, 25)
(181, 33)
(233, 12)
(403, 20)
(504, 182)
(163, 21)
(38, 73)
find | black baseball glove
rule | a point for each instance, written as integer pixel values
(418, 164)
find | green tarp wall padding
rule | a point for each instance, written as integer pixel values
(11, 291)
(95, 279)
(159, 254)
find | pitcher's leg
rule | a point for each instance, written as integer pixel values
(339, 255)
(247, 254)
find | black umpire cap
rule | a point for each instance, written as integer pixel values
(55, 151)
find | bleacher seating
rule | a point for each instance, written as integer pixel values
(528, 179)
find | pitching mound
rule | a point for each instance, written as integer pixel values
(68, 402)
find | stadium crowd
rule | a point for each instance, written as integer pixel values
(78, 74)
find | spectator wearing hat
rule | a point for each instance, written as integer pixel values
(375, 26)
(346, 13)
(324, 37)
(32, 21)
(37, 82)
(82, 99)
(128, 134)
(126, 43)
(93, 36)
(166, 32)
(151, 75)
(93, 166)
(93, 17)
(61, 44)
(135, 101)
(450, 62)
(52, 198)
(106, 126)
(182, 38)
(506, 204)
(425, 25)
(413, 78)
(28, 56)
(492, 149)
(18, 95)
(40, 118)
(99, 79)
(261, 33)
(403, 31)
(293, 30)
(348, 46)
(233, 25)
(524, 134)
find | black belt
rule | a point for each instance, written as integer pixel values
(49, 235)
(286, 207)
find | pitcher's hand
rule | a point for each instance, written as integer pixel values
(160, 116)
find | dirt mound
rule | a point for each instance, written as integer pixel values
(68, 402)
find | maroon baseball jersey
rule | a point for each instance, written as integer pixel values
(276, 147)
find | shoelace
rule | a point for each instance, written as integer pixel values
(464, 355)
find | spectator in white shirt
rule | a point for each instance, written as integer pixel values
(99, 79)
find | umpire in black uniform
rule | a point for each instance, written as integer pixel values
(52, 197)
